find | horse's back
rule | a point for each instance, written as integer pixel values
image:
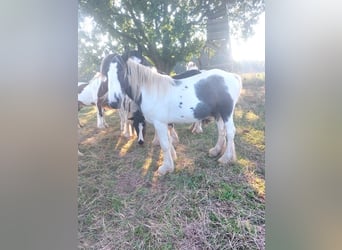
(232, 80)
(88, 95)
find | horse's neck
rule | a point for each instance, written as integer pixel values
(103, 89)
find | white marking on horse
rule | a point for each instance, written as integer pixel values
(140, 134)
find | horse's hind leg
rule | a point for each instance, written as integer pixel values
(197, 128)
(79, 123)
(229, 154)
(173, 134)
(221, 140)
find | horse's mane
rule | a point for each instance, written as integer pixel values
(142, 76)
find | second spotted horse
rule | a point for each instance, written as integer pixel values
(128, 107)
(91, 93)
(130, 112)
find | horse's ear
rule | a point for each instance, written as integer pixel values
(139, 50)
(125, 57)
(126, 49)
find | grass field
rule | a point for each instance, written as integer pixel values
(201, 205)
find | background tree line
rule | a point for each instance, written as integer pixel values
(166, 31)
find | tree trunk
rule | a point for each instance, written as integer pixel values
(163, 66)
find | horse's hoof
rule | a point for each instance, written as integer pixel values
(224, 161)
(163, 170)
(155, 143)
(213, 152)
(198, 131)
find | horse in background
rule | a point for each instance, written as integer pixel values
(90, 94)
(196, 127)
(164, 100)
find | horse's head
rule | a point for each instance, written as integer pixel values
(117, 81)
(118, 84)
(139, 125)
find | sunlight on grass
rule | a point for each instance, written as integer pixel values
(86, 114)
(161, 158)
(255, 137)
(118, 143)
(90, 140)
(250, 116)
(126, 147)
(254, 181)
(147, 163)
(89, 112)
(257, 183)
(155, 181)
(246, 163)
(238, 114)
(110, 111)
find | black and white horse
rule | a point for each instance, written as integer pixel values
(95, 93)
(91, 93)
(165, 100)
(129, 111)
(128, 108)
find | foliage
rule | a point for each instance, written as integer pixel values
(167, 31)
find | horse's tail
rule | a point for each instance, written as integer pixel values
(239, 80)
(239, 85)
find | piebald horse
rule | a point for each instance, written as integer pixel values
(128, 107)
(196, 127)
(130, 113)
(95, 93)
(92, 94)
(165, 100)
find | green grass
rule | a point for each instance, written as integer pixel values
(202, 205)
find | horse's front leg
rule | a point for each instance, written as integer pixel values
(155, 141)
(162, 132)
(101, 123)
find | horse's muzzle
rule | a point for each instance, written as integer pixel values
(140, 142)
